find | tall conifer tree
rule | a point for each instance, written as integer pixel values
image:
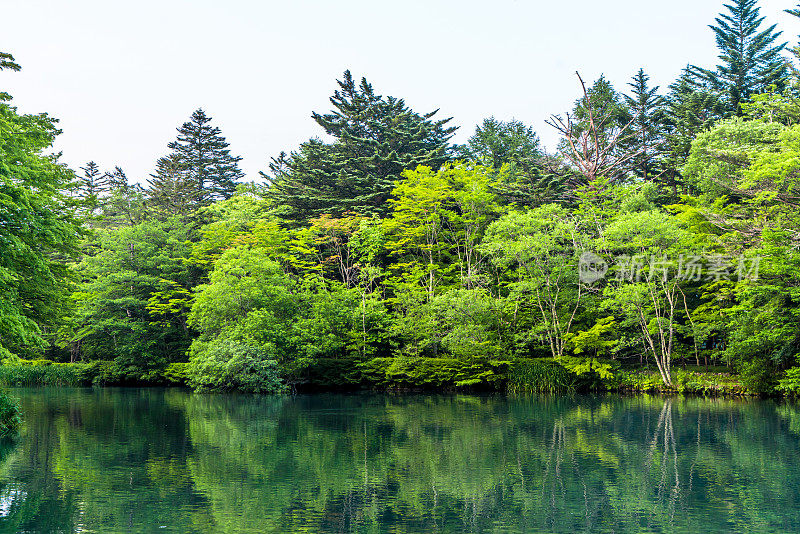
(689, 110)
(206, 159)
(750, 57)
(376, 138)
(646, 109)
(171, 191)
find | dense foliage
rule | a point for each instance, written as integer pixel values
(662, 234)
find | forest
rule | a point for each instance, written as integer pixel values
(655, 248)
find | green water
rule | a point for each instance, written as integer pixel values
(168, 461)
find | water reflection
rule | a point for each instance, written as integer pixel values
(169, 461)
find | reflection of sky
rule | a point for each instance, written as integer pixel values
(10, 497)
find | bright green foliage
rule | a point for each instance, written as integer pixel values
(134, 298)
(754, 165)
(437, 222)
(720, 161)
(540, 376)
(465, 323)
(252, 312)
(10, 415)
(790, 383)
(773, 106)
(648, 289)
(230, 366)
(376, 138)
(37, 230)
(538, 251)
(240, 219)
(598, 340)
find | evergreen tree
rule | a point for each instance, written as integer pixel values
(646, 109)
(93, 185)
(610, 114)
(795, 50)
(171, 191)
(496, 143)
(688, 111)
(750, 59)
(116, 178)
(126, 203)
(206, 158)
(376, 138)
(515, 148)
(7, 63)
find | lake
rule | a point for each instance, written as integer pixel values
(165, 460)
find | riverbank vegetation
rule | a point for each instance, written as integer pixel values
(656, 248)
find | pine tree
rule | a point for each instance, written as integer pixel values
(689, 110)
(126, 204)
(92, 188)
(496, 143)
(93, 183)
(7, 62)
(207, 160)
(646, 109)
(514, 147)
(376, 138)
(116, 178)
(171, 190)
(795, 50)
(750, 61)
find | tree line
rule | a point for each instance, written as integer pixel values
(661, 232)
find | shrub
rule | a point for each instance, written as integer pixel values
(421, 372)
(639, 380)
(31, 373)
(790, 383)
(326, 372)
(757, 376)
(176, 373)
(225, 365)
(10, 418)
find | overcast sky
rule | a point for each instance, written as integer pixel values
(121, 76)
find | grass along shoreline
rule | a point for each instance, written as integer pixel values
(515, 376)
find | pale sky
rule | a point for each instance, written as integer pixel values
(121, 76)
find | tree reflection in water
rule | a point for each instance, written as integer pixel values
(143, 460)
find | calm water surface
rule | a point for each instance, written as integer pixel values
(148, 460)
